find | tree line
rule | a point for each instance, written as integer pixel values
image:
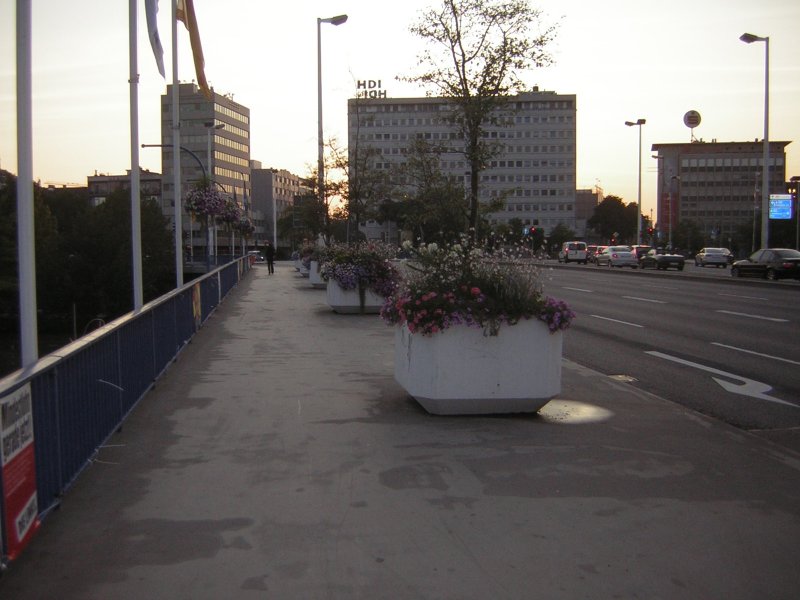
(83, 262)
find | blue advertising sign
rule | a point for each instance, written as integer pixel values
(780, 206)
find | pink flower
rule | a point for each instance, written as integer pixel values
(475, 291)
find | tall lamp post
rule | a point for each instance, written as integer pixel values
(337, 20)
(210, 127)
(669, 221)
(638, 123)
(749, 38)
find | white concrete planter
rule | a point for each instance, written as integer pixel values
(460, 371)
(314, 277)
(303, 270)
(349, 301)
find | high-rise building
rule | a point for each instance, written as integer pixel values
(534, 173)
(717, 185)
(215, 142)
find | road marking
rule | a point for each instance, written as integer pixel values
(738, 314)
(617, 321)
(793, 362)
(579, 290)
(745, 297)
(748, 387)
(644, 299)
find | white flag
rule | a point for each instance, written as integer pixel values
(151, 10)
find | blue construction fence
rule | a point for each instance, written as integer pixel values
(78, 396)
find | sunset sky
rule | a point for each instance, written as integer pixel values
(624, 60)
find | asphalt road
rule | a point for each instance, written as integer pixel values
(729, 348)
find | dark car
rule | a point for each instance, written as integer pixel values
(772, 263)
(658, 258)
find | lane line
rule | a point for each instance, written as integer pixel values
(792, 362)
(645, 299)
(739, 314)
(579, 290)
(745, 297)
(617, 321)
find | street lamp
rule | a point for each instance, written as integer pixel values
(638, 123)
(209, 159)
(337, 20)
(209, 128)
(749, 38)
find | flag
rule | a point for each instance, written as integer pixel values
(185, 12)
(151, 10)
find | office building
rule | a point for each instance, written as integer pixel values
(533, 174)
(215, 142)
(274, 191)
(717, 185)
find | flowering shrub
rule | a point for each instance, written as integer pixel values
(360, 266)
(460, 285)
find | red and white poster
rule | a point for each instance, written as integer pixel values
(18, 469)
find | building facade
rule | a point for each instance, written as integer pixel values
(215, 142)
(274, 191)
(101, 185)
(717, 185)
(533, 174)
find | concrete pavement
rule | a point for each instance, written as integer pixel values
(277, 458)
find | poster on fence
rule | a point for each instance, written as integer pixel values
(18, 469)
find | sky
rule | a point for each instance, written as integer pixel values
(623, 59)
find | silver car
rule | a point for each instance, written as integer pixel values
(716, 257)
(616, 256)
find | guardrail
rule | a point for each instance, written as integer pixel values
(78, 396)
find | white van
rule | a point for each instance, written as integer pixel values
(573, 251)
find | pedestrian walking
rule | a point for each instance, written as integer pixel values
(269, 252)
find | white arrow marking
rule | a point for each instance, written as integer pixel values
(793, 362)
(748, 387)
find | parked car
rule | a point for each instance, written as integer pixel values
(616, 256)
(639, 251)
(256, 256)
(711, 256)
(772, 263)
(572, 251)
(658, 258)
(593, 256)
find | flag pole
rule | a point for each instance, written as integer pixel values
(176, 154)
(26, 249)
(136, 221)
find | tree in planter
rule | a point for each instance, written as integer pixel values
(477, 51)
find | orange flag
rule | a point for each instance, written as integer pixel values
(185, 12)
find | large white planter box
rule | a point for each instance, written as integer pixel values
(462, 371)
(349, 301)
(314, 277)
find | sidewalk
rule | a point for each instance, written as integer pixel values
(277, 458)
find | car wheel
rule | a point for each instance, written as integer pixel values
(771, 275)
(735, 272)
(680, 267)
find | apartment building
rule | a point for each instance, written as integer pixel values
(274, 190)
(533, 173)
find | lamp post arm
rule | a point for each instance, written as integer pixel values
(192, 154)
